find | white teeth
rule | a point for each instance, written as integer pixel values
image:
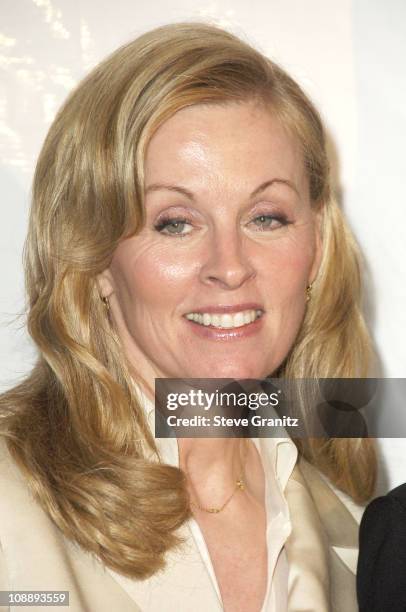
(215, 320)
(226, 321)
(206, 319)
(238, 319)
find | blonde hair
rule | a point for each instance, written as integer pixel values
(75, 425)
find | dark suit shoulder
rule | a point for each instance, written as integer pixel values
(399, 493)
(382, 555)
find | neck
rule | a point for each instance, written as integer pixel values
(212, 466)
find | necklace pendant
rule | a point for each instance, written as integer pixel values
(240, 484)
(214, 510)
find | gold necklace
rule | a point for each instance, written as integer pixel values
(239, 485)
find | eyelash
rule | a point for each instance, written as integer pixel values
(166, 221)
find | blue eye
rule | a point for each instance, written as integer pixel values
(266, 222)
(176, 224)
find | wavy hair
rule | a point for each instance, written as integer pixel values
(75, 425)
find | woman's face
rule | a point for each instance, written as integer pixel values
(230, 239)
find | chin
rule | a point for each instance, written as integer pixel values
(231, 370)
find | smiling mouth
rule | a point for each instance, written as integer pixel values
(225, 321)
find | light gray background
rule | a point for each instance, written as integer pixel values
(348, 55)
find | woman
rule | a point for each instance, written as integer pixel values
(185, 180)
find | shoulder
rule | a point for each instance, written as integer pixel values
(383, 529)
(355, 509)
(398, 495)
(34, 552)
(386, 515)
(21, 512)
(18, 507)
(382, 553)
(20, 517)
(12, 483)
(327, 495)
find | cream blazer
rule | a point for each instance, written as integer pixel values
(34, 555)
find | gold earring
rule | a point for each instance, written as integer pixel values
(309, 292)
(106, 303)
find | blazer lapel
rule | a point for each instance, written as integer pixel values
(341, 533)
(306, 550)
(339, 524)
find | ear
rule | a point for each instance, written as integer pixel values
(318, 253)
(106, 283)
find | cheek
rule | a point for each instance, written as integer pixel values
(288, 265)
(150, 277)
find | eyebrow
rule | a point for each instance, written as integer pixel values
(190, 195)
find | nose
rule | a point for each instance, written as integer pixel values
(228, 264)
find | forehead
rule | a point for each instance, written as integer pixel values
(232, 141)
